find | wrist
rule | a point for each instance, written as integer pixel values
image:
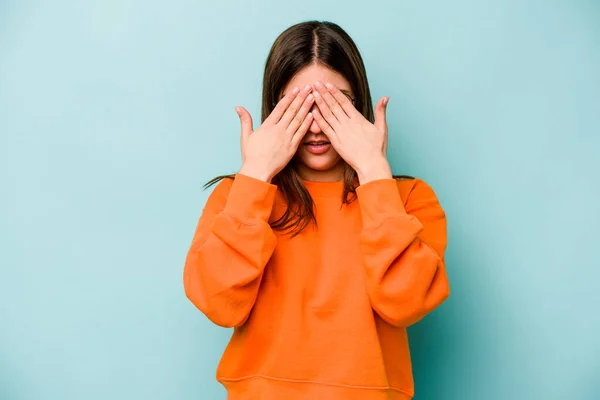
(256, 173)
(374, 170)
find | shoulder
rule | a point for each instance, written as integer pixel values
(220, 190)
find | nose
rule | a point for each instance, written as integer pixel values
(314, 127)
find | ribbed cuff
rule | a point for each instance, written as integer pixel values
(250, 199)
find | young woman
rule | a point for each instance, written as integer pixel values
(313, 252)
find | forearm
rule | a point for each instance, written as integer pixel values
(231, 247)
(222, 276)
(403, 255)
(410, 287)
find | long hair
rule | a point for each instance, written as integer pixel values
(299, 46)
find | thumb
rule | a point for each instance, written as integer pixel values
(380, 111)
(245, 120)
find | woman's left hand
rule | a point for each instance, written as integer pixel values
(360, 143)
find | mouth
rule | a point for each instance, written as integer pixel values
(317, 146)
(316, 143)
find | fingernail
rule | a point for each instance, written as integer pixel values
(317, 95)
(238, 111)
(295, 91)
(310, 97)
(386, 101)
(309, 115)
(329, 86)
(319, 85)
(307, 88)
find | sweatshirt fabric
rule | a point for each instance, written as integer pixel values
(322, 315)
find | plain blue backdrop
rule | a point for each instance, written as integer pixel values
(114, 113)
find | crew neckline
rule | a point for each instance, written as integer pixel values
(324, 188)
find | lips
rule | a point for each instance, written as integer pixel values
(316, 139)
(317, 147)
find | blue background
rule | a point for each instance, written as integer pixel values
(114, 113)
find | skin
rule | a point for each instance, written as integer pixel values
(314, 107)
(328, 167)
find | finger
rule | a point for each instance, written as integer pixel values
(342, 100)
(301, 115)
(294, 108)
(281, 106)
(301, 132)
(380, 113)
(385, 144)
(325, 127)
(245, 120)
(333, 104)
(325, 111)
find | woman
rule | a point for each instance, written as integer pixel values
(313, 252)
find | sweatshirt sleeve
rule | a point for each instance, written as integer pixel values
(231, 246)
(403, 250)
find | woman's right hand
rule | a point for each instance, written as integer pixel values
(267, 150)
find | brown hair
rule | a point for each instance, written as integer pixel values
(299, 46)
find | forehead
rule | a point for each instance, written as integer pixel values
(314, 72)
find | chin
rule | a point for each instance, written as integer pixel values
(319, 163)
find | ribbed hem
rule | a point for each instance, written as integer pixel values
(269, 388)
(250, 199)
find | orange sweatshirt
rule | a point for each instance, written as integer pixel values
(322, 315)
